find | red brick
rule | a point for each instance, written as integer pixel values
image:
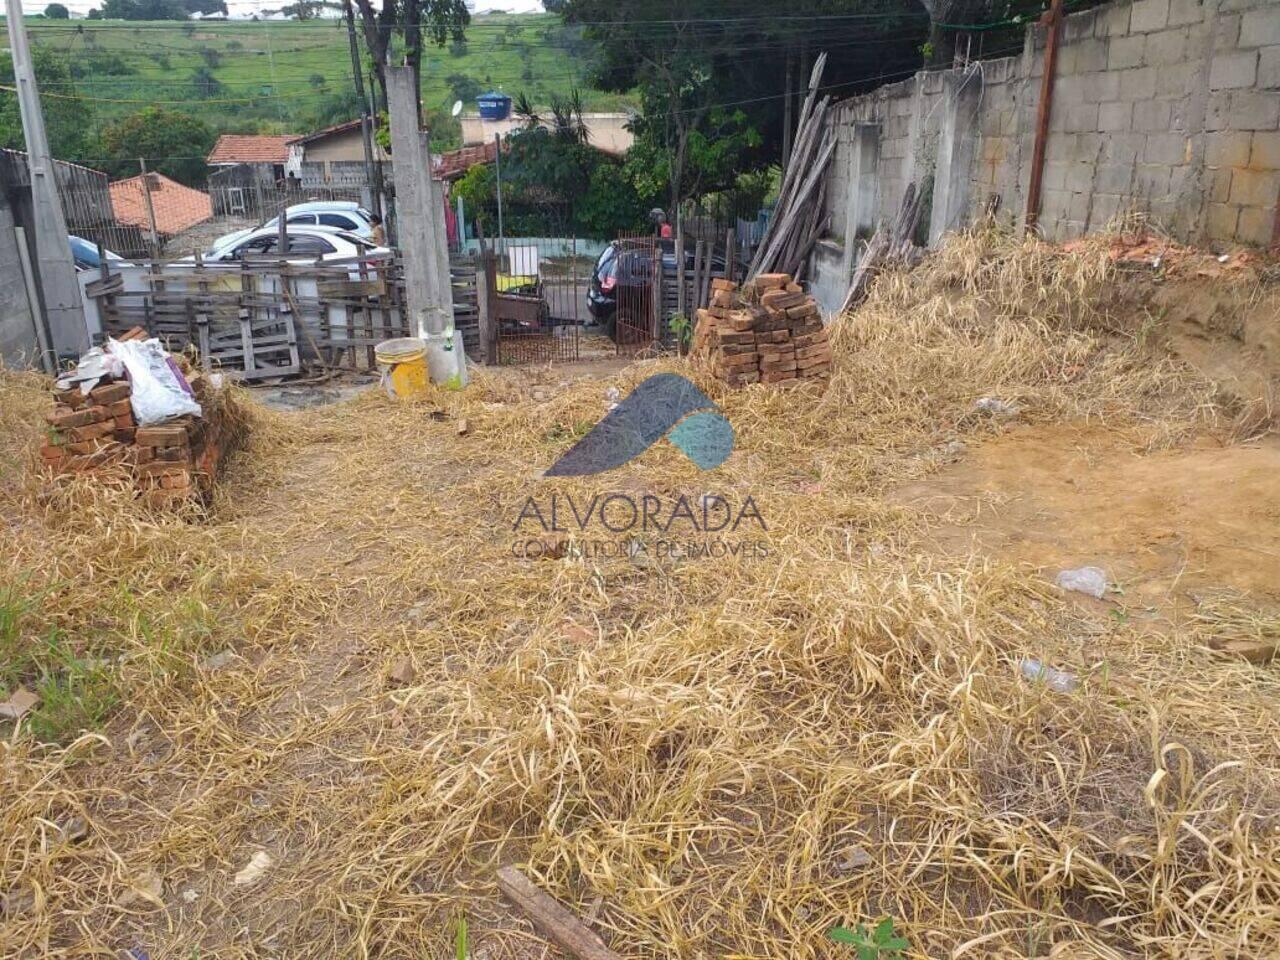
(803, 312)
(126, 435)
(163, 436)
(172, 454)
(175, 481)
(810, 339)
(779, 299)
(75, 418)
(73, 398)
(110, 393)
(721, 284)
(159, 468)
(777, 376)
(92, 431)
(765, 281)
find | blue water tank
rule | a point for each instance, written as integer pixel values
(494, 106)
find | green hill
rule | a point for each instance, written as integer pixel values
(291, 77)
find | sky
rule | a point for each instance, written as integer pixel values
(244, 8)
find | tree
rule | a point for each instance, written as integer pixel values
(56, 11)
(439, 20)
(174, 143)
(705, 75)
(144, 10)
(205, 84)
(94, 14)
(67, 120)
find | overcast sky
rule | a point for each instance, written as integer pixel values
(245, 8)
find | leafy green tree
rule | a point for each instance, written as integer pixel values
(205, 84)
(411, 20)
(463, 87)
(56, 11)
(94, 14)
(144, 10)
(704, 71)
(175, 144)
(66, 120)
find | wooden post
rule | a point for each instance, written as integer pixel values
(486, 271)
(729, 244)
(151, 212)
(655, 325)
(1053, 19)
(680, 290)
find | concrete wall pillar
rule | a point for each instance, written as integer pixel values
(953, 176)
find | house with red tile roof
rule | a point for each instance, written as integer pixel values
(235, 148)
(176, 207)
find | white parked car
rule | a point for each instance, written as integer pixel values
(305, 244)
(335, 214)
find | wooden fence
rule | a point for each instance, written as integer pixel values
(259, 319)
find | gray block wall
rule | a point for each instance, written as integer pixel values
(1165, 107)
(18, 346)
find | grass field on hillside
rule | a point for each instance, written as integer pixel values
(290, 77)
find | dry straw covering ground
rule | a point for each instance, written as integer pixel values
(711, 756)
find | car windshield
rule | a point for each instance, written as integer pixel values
(361, 245)
(84, 253)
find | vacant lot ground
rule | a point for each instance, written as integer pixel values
(712, 756)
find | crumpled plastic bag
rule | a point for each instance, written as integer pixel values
(159, 390)
(92, 367)
(1090, 580)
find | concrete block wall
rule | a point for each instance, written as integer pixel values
(18, 345)
(1167, 107)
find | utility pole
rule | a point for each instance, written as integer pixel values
(366, 118)
(58, 285)
(423, 238)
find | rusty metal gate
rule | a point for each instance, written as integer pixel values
(637, 282)
(535, 302)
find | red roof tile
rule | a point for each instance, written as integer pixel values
(176, 207)
(329, 131)
(245, 148)
(455, 163)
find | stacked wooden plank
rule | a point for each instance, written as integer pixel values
(892, 244)
(767, 331)
(798, 218)
(170, 463)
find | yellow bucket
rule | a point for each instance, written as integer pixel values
(404, 366)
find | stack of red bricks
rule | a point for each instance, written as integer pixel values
(169, 463)
(767, 331)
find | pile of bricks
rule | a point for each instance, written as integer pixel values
(170, 463)
(767, 331)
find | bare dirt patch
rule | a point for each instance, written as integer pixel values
(1163, 524)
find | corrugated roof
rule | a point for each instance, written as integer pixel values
(176, 207)
(247, 148)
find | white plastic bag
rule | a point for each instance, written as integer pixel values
(1090, 580)
(159, 390)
